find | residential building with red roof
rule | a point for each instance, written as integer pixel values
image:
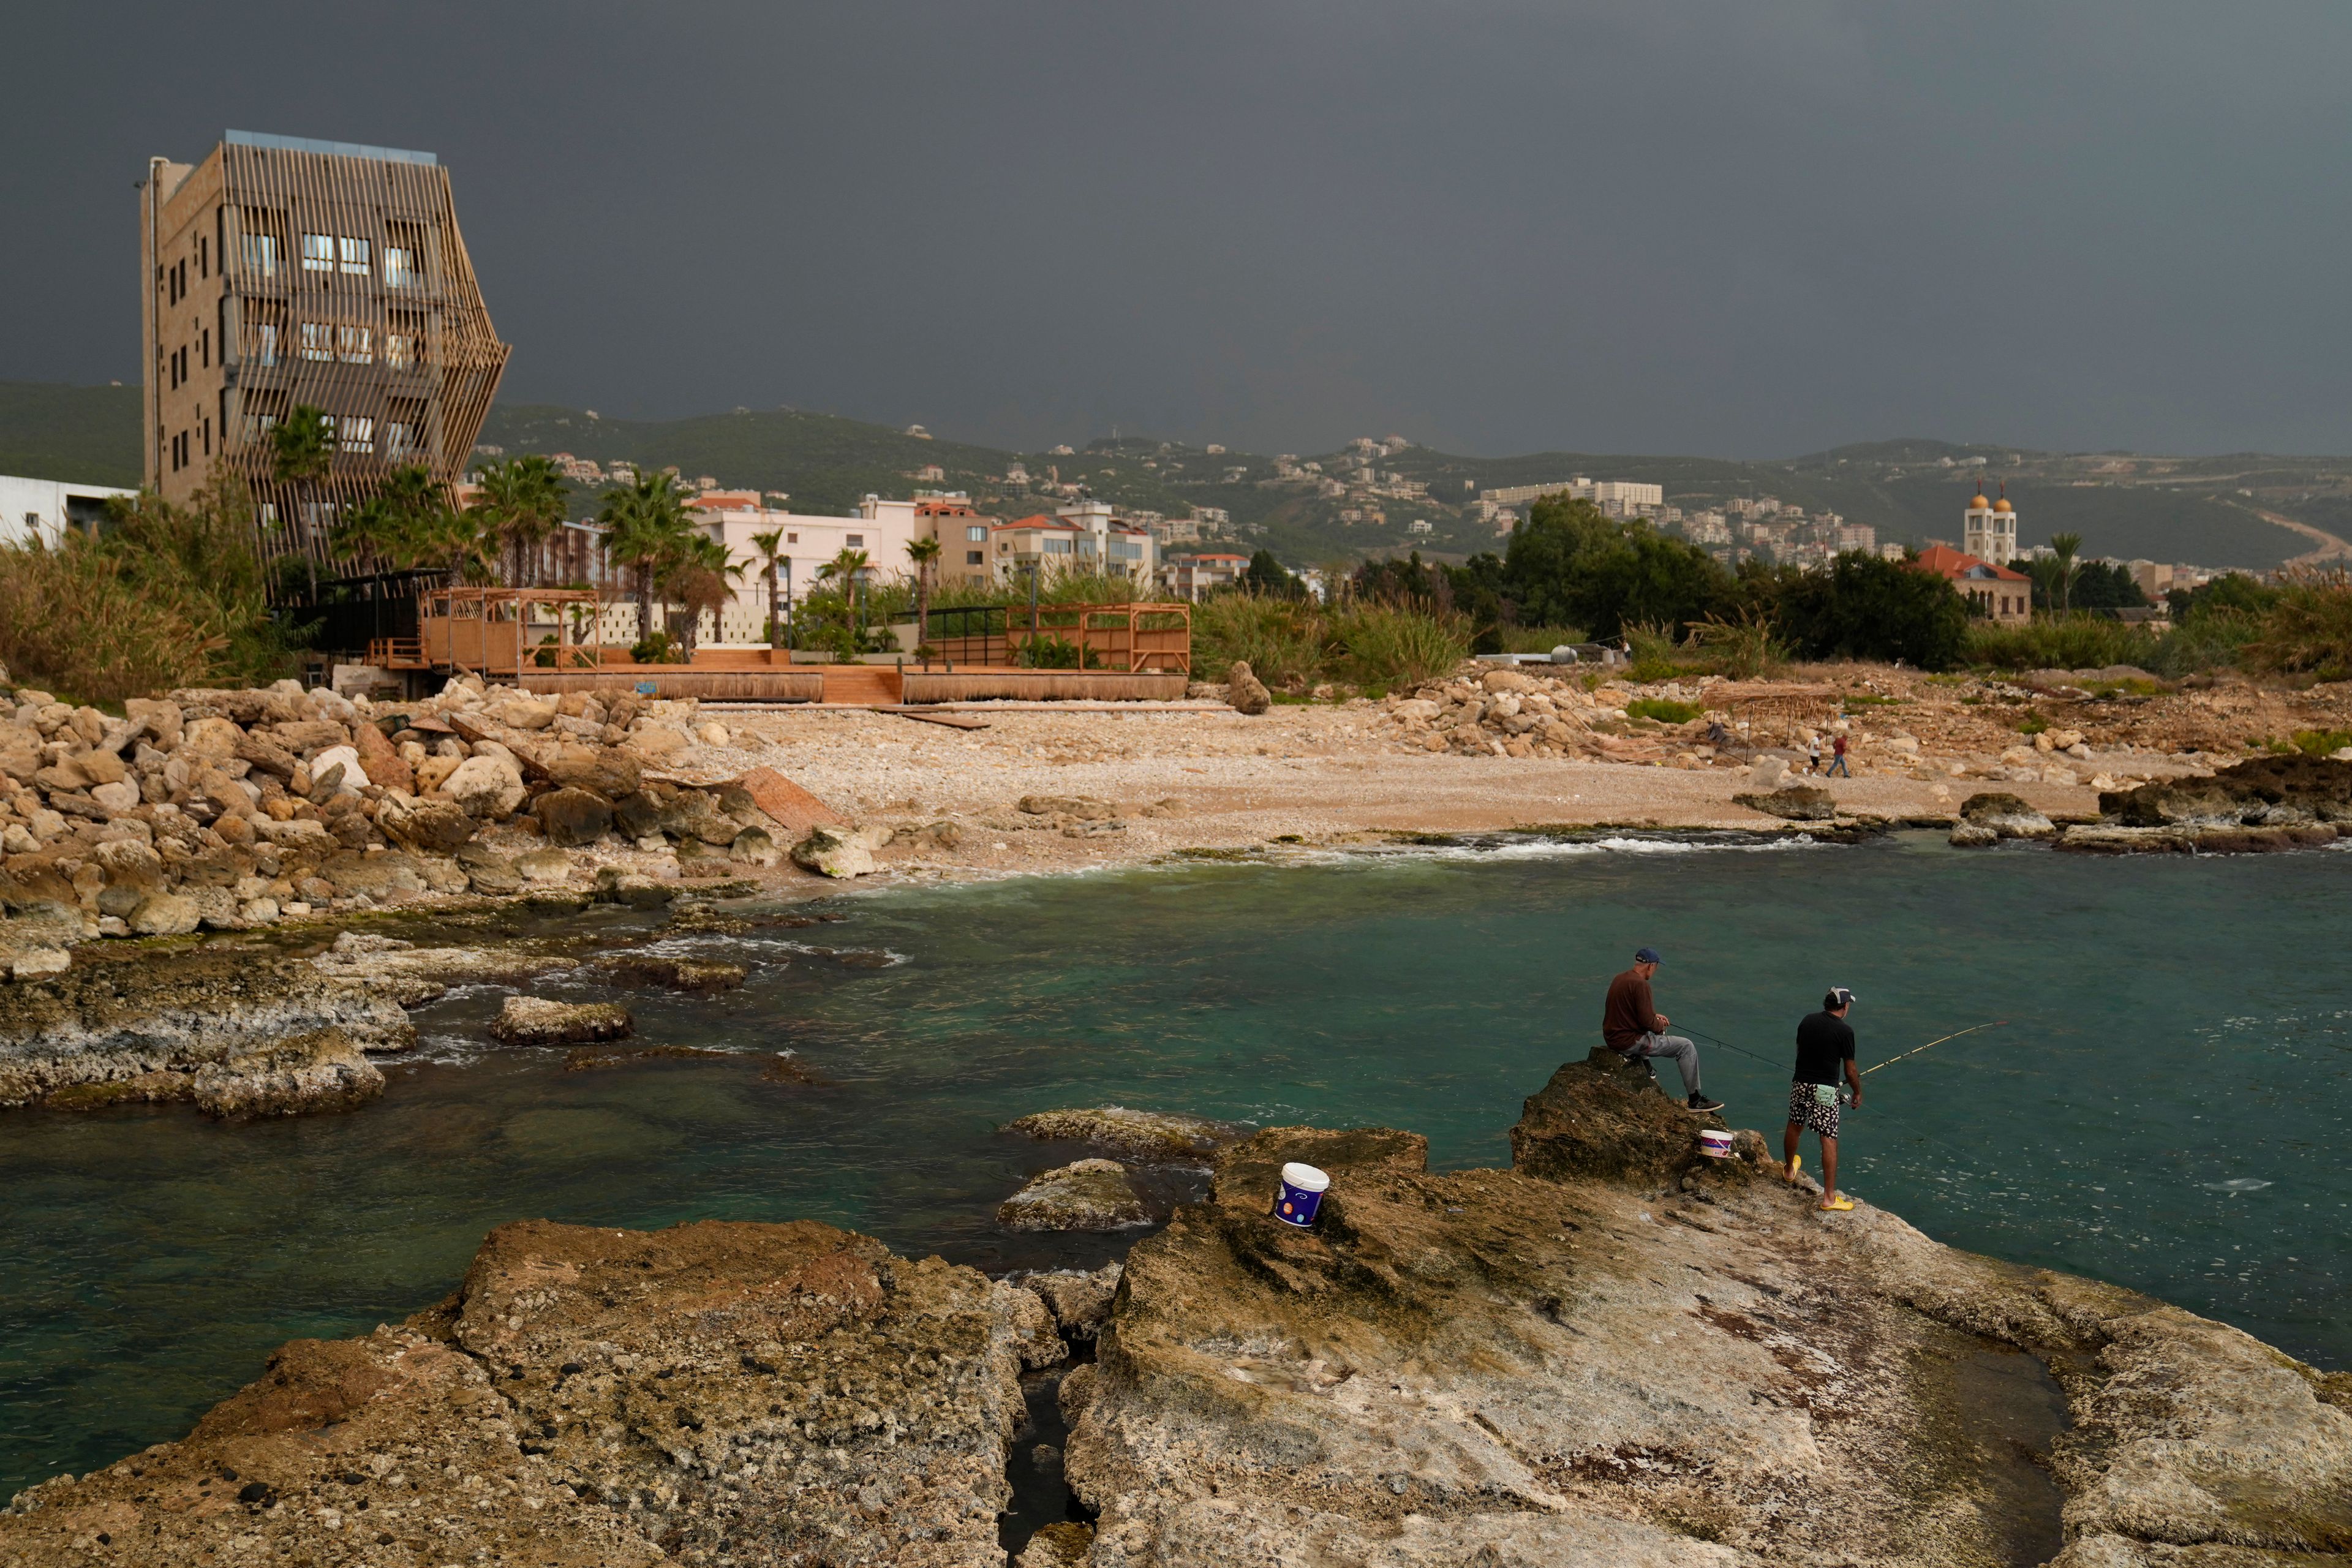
(2006, 595)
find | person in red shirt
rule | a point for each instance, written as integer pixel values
(1635, 1029)
(1837, 759)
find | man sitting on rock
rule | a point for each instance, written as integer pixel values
(1634, 1029)
(1824, 1047)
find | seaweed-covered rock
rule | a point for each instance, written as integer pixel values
(301, 1076)
(1792, 803)
(2266, 791)
(2007, 816)
(1151, 1137)
(537, 1021)
(1089, 1194)
(696, 974)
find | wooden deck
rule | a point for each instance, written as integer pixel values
(858, 685)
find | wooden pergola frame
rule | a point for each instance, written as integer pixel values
(487, 631)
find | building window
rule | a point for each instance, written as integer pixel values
(354, 345)
(318, 253)
(400, 268)
(791, 539)
(355, 433)
(399, 350)
(205, 347)
(354, 254)
(854, 541)
(976, 535)
(975, 557)
(208, 437)
(203, 257)
(399, 440)
(260, 252)
(265, 343)
(318, 341)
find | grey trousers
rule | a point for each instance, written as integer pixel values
(1686, 1056)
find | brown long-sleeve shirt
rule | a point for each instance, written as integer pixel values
(1628, 1015)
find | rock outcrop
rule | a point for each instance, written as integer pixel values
(537, 1021)
(237, 1033)
(717, 1393)
(1683, 1364)
(1149, 1137)
(2267, 802)
(1087, 1194)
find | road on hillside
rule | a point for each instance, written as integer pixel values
(2332, 551)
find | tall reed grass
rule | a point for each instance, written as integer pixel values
(1296, 643)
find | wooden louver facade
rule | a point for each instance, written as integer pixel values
(282, 272)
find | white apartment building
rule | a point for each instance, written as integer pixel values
(882, 529)
(1080, 536)
(46, 508)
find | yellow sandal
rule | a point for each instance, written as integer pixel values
(1838, 1203)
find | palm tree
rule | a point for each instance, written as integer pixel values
(849, 569)
(645, 526)
(302, 453)
(695, 577)
(374, 531)
(925, 554)
(2065, 546)
(769, 549)
(523, 501)
(457, 542)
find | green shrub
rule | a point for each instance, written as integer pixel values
(1385, 644)
(1743, 646)
(2083, 641)
(1279, 640)
(2314, 742)
(170, 596)
(2308, 630)
(1536, 639)
(2033, 724)
(1664, 709)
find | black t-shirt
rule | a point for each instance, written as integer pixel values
(1824, 1041)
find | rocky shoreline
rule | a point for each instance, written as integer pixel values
(1614, 1352)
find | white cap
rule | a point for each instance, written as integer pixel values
(1305, 1178)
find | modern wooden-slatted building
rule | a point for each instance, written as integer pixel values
(281, 272)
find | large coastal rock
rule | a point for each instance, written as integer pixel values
(1492, 1367)
(1151, 1137)
(2268, 802)
(235, 1030)
(1087, 1194)
(538, 1021)
(593, 1398)
(414, 975)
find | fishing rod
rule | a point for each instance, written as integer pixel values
(1955, 1035)
(1727, 1044)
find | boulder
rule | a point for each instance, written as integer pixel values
(609, 771)
(486, 787)
(753, 847)
(712, 733)
(615, 886)
(536, 1021)
(117, 799)
(2007, 816)
(656, 743)
(1147, 1137)
(1792, 803)
(381, 759)
(354, 777)
(215, 738)
(841, 853)
(160, 721)
(525, 713)
(1089, 1194)
(428, 827)
(1245, 690)
(574, 816)
(164, 914)
(305, 736)
(1079, 1302)
(304, 1075)
(1605, 1118)
(435, 771)
(544, 866)
(1973, 836)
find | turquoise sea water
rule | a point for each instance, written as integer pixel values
(2165, 1106)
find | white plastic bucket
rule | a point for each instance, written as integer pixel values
(1714, 1143)
(1300, 1195)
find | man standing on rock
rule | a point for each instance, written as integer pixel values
(1634, 1029)
(1824, 1047)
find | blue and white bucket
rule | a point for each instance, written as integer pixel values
(1300, 1195)
(1714, 1143)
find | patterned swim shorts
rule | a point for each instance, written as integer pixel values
(1805, 1112)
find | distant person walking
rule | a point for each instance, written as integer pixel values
(1825, 1049)
(1813, 756)
(1837, 759)
(1635, 1029)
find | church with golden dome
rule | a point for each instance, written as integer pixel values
(1990, 529)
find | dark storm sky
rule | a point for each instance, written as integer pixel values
(1742, 229)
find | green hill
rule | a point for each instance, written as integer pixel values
(85, 433)
(2198, 510)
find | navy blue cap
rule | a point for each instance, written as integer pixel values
(1647, 955)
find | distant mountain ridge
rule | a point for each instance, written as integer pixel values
(2199, 509)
